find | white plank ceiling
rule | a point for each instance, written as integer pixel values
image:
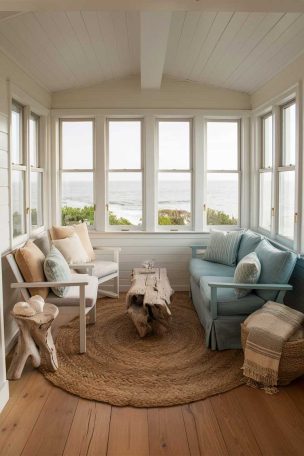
(73, 49)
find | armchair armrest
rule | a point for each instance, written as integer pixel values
(197, 250)
(282, 288)
(253, 286)
(85, 267)
(77, 282)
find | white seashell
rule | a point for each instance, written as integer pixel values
(37, 303)
(23, 309)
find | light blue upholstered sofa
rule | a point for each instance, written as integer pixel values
(212, 288)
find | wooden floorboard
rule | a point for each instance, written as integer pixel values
(43, 420)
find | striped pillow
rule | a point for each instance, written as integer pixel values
(56, 269)
(248, 270)
(223, 247)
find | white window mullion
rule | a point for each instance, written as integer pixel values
(26, 119)
(198, 174)
(244, 176)
(276, 163)
(100, 174)
(149, 165)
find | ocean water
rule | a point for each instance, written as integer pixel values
(125, 198)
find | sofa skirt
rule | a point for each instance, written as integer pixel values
(222, 333)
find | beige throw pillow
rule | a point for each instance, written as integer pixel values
(81, 229)
(30, 261)
(72, 249)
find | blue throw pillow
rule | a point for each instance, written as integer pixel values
(223, 247)
(57, 269)
(248, 244)
(276, 267)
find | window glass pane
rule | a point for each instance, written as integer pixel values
(18, 202)
(267, 142)
(16, 145)
(289, 135)
(36, 199)
(77, 202)
(124, 144)
(125, 198)
(265, 201)
(174, 199)
(222, 199)
(286, 203)
(77, 144)
(222, 145)
(33, 140)
(174, 145)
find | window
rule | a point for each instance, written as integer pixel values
(125, 174)
(265, 174)
(174, 173)
(19, 169)
(77, 164)
(287, 171)
(36, 174)
(223, 169)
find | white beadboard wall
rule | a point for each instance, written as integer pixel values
(169, 250)
(4, 228)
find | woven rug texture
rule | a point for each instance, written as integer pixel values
(122, 369)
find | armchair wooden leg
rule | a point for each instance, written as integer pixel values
(82, 322)
(116, 286)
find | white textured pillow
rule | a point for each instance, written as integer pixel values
(223, 247)
(247, 271)
(72, 249)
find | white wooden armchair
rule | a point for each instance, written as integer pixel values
(103, 270)
(82, 293)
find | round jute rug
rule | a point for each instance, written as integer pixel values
(122, 369)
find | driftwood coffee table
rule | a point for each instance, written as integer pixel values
(148, 300)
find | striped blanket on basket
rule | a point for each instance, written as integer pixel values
(269, 327)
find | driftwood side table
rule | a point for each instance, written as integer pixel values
(35, 340)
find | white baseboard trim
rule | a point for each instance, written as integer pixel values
(4, 394)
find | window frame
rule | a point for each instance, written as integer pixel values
(262, 169)
(292, 95)
(77, 170)
(37, 169)
(238, 171)
(281, 168)
(28, 108)
(125, 228)
(175, 228)
(20, 167)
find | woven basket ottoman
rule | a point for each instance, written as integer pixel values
(292, 360)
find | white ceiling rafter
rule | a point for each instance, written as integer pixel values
(154, 33)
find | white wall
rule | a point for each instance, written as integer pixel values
(11, 75)
(127, 93)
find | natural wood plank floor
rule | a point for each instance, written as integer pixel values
(43, 420)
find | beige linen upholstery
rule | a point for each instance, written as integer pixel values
(104, 268)
(72, 249)
(72, 297)
(30, 261)
(81, 229)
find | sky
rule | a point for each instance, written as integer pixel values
(173, 145)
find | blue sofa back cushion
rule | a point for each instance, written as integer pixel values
(248, 244)
(276, 267)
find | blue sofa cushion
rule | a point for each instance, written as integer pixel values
(277, 266)
(199, 268)
(227, 303)
(248, 244)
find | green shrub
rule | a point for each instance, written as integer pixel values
(72, 215)
(219, 218)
